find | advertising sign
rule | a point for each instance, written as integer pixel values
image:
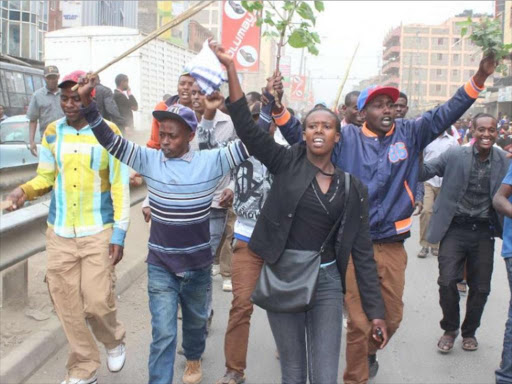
(285, 66)
(298, 88)
(71, 13)
(241, 36)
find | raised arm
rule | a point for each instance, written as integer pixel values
(137, 157)
(289, 125)
(259, 143)
(434, 122)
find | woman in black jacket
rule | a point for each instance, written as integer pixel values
(304, 203)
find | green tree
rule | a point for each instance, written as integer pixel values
(292, 22)
(487, 35)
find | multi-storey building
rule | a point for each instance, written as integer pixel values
(429, 62)
(22, 28)
(153, 14)
(114, 13)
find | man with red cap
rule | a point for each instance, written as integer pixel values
(384, 154)
(87, 224)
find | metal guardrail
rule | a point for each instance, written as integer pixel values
(22, 231)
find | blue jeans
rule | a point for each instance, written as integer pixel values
(218, 219)
(165, 289)
(311, 341)
(504, 374)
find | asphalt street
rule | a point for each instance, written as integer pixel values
(411, 356)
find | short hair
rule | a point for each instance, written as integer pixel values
(255, 95)
(323, 109)
(350, 95)
(402, 95)
(120, 78)
(480, 116)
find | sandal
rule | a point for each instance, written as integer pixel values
(232, 377)
(469, 344)
(445, 343)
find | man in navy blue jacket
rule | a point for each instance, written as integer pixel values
(384, 154)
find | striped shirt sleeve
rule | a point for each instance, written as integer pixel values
(233, 155)
(120, 192)
(46, 169)
(137, 157)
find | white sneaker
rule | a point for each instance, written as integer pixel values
(116, 358)
(74, 380)
(227, 286)
(215, 269)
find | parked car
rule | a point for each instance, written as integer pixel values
(14, 142)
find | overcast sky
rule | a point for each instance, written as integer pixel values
(345, 23)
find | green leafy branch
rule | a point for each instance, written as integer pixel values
(487, 35)
(281, 21)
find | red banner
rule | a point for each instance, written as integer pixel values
(241, 36)
(298, 88)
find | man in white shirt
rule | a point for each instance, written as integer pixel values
(432, 188)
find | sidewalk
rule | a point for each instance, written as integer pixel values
(31, 334)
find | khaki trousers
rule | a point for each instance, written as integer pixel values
(430, 197)
(246, 270)
(224, 252)
(81, 281)
(391, 260)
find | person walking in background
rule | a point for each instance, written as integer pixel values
(465, 224)
(215, 130)
(126, 102)
(384, 154)
(503, 204)
(107, 105)
(87, 224)
(252, 186)
(45, 105)
(308, 189)
(432, 188)
(349, 109)
(181, 183)
(401, 106)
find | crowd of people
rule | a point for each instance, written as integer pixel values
(304, 217)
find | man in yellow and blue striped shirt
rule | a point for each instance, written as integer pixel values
(87, 224)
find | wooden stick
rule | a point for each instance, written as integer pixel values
(164, 28)
(340, 90)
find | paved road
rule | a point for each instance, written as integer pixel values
(411, 356)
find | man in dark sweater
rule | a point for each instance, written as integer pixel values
(107, 106)
(125, 101)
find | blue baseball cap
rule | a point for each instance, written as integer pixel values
(373, 91)
(178, 112)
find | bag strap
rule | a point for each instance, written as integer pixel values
(338, 222)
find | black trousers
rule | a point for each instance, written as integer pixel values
(470, 245)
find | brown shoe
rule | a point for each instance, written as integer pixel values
(193, 373)
(232, 377)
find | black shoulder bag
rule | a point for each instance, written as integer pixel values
(289, 285)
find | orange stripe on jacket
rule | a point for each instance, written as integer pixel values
(403, 226)
(283, 117)
(472, 89)
(409, 192)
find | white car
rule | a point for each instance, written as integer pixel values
(14, 142)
